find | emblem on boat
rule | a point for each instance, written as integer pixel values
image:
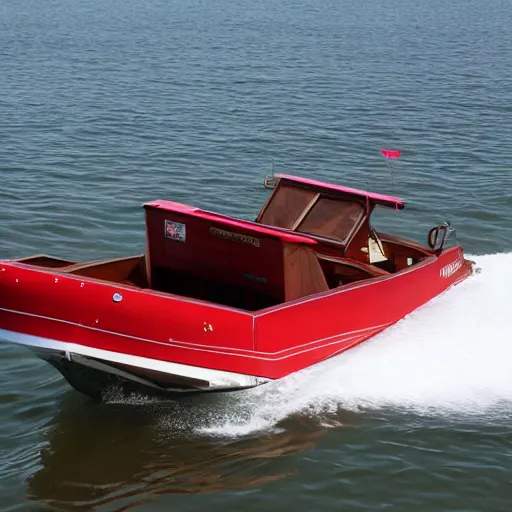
(235, 237)
(175, 231)
(450, 269)
(117, 297)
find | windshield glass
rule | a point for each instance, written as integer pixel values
(332, 218)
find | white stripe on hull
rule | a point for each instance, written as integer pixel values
(218, 379)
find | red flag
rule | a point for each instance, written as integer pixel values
(390, 154)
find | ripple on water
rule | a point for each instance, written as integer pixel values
(106, 105)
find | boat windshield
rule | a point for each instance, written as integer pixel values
(313, 212)
(332, 218)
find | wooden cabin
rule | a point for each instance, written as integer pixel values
(308, 238)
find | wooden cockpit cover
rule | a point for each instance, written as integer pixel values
(320, 209)
(319, 186)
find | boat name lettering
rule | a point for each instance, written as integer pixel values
(236, 237)
(175, 231)
(450, 269)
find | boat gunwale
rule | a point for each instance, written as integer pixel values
(429, 260)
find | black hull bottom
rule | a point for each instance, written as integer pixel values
(102, 381)
(101, 386)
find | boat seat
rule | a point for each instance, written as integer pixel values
(129, 270)
(339, 271)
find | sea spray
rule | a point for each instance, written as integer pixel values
(450, 357)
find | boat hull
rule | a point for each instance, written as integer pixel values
(95, 372)
(171, 344)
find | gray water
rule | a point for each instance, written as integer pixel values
(105, 105)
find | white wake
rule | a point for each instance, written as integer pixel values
(452, 356)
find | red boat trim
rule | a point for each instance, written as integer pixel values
(346, 347)
(173, 207)
(359, 338)
(320, 340)
(135, 289)
(363, 333)
(391, 200)
(67, 322)
(254, 314)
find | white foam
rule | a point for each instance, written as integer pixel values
(452, 356)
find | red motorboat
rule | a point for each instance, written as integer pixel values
(218, 303)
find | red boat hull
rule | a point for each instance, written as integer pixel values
(43, 304)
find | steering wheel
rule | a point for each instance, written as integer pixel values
(437, 237)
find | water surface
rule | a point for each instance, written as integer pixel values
(105, 105)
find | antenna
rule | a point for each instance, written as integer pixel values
(367, 198)
(390, 156)
(269, 181)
